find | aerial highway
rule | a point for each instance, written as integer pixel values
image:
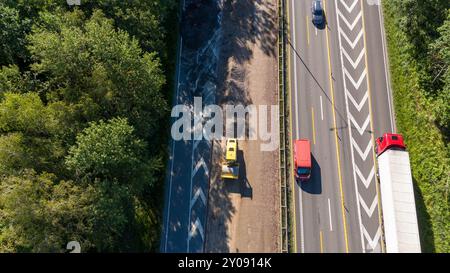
(341, 101)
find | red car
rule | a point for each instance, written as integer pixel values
(302, 159)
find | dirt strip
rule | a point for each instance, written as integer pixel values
(244, 215)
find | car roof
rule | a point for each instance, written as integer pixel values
(317, 5)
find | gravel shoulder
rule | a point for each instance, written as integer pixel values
(244, 215)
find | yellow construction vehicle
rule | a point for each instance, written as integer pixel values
(230, 168)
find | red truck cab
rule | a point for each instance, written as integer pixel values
(302, 159)
(389, 141)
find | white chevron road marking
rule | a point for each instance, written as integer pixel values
(197, 226)
(367, 243)
(372, 242)
(362, 154)
(197, 142)
(353, 63)
(198, 193)
(200, 163)
(349, 8)
(350, 42)
(360, 80)
(361, 129)
(352, 25)
(368, 210)
(366, 181)
(359, 105)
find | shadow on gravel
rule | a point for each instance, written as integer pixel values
(242, 24)
(220, 207)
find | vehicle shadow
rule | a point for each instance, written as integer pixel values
(424, 221)
(324, 23)
(314, 185)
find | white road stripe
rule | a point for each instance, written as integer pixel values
(358, 83)
(190, 197)
(201, 194)
(362, 154)
(321, 108)
(366, 208)
(348, 8)
(173, 149)
(302, 236)
(329, 213)
(386, 70)
(362, 128)
(352, 25)
(193, 230)
(358, 60)
(351, 43)
(200, 163)
(366, 181)
(359, 105)
(372, 242)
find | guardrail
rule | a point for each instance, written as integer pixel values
(284, 140)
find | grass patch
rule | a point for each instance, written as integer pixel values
(429, 152)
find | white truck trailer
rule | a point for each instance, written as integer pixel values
(401, 232)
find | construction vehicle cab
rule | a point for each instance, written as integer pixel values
(230, 168)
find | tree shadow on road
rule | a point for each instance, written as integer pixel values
(243, 24)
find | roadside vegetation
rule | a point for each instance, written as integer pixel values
(84, 103)
(418, 36)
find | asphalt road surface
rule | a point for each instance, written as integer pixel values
(188, 173)
(340, 101)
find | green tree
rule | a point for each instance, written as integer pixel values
(40, 214)
(99, 64)
(33, 135)
(440, 60)
(108, 150)
(12, 35)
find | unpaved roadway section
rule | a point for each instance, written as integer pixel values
(244, 215)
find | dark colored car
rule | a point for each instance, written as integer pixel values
(318, 15)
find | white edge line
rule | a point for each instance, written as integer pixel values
(302, 236)
(173, 148)
(321, 108)
(329, 211)
(386, 69)
(190, 195)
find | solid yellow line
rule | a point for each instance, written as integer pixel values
(307, 28)
(371, 123)
(313, 127)
(336, 140)
(290, 129)
(321, 242)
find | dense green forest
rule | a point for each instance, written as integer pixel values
(418, 34)
(84, 101)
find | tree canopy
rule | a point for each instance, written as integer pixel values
(83, 110)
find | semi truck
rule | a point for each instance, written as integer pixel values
(302, 159)
(401, 232)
